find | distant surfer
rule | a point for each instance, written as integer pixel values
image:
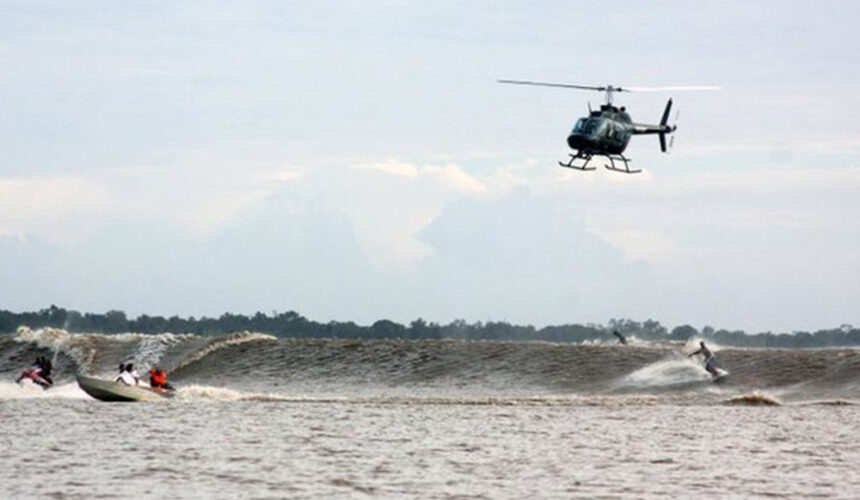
(710, 360)
(621, 338)
(128, 375)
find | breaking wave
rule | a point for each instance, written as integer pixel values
(249, 366)
(754, 399)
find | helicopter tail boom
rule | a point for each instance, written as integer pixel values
(661, 130)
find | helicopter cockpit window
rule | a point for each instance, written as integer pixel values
(587, 126)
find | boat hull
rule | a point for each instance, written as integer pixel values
(108, 390)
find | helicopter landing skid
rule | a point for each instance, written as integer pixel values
(571, 163)
(625, 170)
(579, 155)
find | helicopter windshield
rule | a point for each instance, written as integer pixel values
(590, 126)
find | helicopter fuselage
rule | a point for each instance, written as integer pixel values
(607, 131)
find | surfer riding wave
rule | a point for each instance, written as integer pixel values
(710, 360)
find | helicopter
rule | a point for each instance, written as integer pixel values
(607, 132)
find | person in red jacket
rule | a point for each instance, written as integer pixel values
(157, 378)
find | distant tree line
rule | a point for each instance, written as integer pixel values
(292, 324)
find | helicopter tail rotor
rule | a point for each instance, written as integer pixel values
(674, 127)
(666, 111)
(665, 128)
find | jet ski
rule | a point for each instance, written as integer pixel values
(34, 374)
(109, 390)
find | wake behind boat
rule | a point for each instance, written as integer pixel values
(108, 390)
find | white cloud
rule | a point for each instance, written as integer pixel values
(49, 205)
(283, 175)
(642, 245)
(449, 175)
(455, 177)
(217, 209)
(390, 167)
(389, 202)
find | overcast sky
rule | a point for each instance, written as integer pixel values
(357, 160)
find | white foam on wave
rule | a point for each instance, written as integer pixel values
(54, 339)
(202, 393)
(668, 372)
(57, 337)
(81, 346)
(755, 398)
(198, 392)
(151, 348)
(28, 390)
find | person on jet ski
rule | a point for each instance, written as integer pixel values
(45, 367)
(128, 375)
(710, 360)
(41, 369)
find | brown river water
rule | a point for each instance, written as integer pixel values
(259, 417)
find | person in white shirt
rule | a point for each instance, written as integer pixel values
(128, 375)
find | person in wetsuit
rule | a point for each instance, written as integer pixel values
(710, 360)
(621, 338)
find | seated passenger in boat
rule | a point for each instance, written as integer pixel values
(128, 375)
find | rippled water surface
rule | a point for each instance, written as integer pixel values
(261, 417)
(80, 448)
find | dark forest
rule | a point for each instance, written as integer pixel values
(293, 325)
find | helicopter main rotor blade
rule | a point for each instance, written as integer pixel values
(558, 85)
(663, 89)
(611, 88)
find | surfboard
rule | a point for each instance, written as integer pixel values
(721, 374)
